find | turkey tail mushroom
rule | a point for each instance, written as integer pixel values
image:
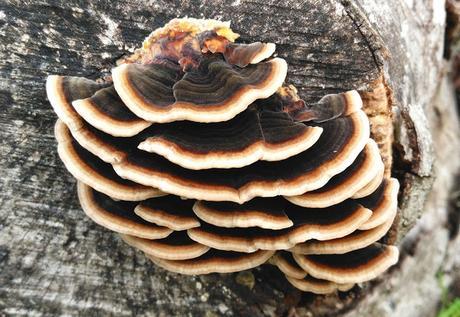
(198, 155)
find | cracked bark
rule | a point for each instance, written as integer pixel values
(56, 262)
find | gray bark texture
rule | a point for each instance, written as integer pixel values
(55, 261)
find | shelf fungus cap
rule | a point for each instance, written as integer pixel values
(318, 286)
(62, 90)
(327, 108)
(159, 93)
(195, 152)
(253, 135)
(286, 264)
(215, 262)
(372, 186)
(105, 111)
(365, 170)
(92, 171)
(169, 211)
(190, 69)
(176, 246)
(244, 54)
(106, 147)
(300, 279)
(117, 216)
(262, 213)
(354, 241)
(352, 267)
(383, 202)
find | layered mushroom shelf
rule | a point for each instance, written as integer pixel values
(198, 155)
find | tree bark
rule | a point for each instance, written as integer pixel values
(57, 262)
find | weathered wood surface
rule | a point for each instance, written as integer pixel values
(57, 262)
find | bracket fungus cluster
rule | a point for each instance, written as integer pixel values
(197, 154)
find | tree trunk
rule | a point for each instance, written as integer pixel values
(55, 261)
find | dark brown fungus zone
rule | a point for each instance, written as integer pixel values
(199, 155)
(117, 215)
